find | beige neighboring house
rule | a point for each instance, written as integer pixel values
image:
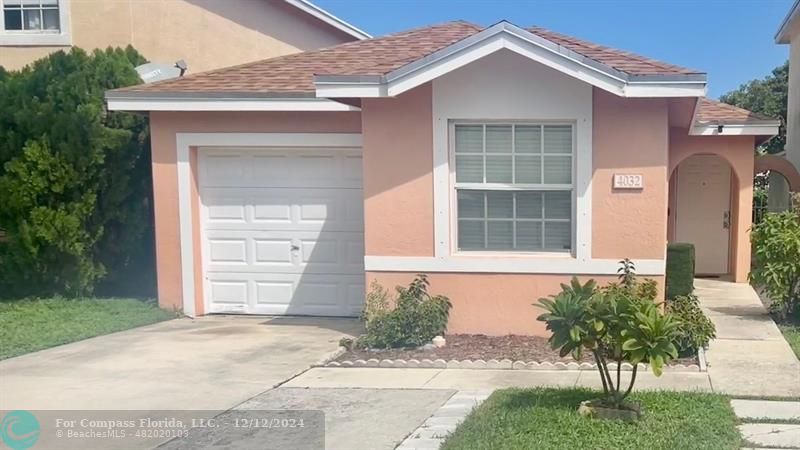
(206, 34)
(789, 33)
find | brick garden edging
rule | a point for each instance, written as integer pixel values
(495, 364)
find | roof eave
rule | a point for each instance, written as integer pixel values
(723, 128)
(341, 25)
(221, 101)
(782, 36)
(509, 36)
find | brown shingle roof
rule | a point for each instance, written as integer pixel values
(618, 59)
(294, 74)
(712, 111)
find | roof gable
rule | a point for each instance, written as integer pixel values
(645, 78)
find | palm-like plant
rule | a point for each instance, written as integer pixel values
(614, 325)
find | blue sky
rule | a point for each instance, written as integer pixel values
(731, 40)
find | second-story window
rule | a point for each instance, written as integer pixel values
(31, 15)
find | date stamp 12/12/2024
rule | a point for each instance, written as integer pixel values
(171, 430)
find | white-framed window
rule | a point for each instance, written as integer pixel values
(514, 186)
(35, 22)
(31, 15)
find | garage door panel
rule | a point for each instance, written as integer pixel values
(228, 251)
(285, 251)
(298, 168)
(307, 294)
(283, 231)
(283, 209)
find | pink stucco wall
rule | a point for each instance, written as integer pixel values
(491, 304)
(630, 136)
(738, 151)
(398, 179)
(164, 126)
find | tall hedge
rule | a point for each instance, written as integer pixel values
(74, 178)
(680, 269)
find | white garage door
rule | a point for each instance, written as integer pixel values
(283, 231)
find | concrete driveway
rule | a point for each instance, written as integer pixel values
(211, 363)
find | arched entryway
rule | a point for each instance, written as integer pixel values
(776, 181)
(701, 205)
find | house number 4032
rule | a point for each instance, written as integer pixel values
(628, 181)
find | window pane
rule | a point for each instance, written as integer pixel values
(558, 139)
(49, 2)
(528, 169)
(32, 19)
(529, 205)
(469, 138)
(470, 204)
(500, 205)
(557, 235)
(529, 235)
(558, 205)
(501, 235)
(50, 17)
(557, 169)
(527, 139)
(469, 168)
(498, 138)
(16, 3)
(498, 169)
(13, 19)
(470, 235)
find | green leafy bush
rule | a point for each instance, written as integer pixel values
(776, 268)
(680, 269)
(695, 329)
(75, 184)
(614, 324)
(415, 318)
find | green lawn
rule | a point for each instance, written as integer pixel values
(548, 419)
(34, 324)
(792, 335)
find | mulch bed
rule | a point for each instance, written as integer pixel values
(462, 347)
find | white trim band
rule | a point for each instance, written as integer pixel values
(226, 104)
(556, 265)
(766, 129)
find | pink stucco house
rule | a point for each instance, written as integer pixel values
(501, 161)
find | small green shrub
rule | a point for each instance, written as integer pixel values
(615, 324)
(695, 329)
(680, 269)
(416, 318)
(776, 250)
(614, 327)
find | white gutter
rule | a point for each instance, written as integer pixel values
(133, 103)
(314, 10)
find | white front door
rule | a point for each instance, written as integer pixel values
(703, 211)
(283, 231)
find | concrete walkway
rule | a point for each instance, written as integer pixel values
(750, 355)
(769, 424)
(748, 358)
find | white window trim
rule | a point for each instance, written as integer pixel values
(39, 38)
(443, 172)
(454, 187)
(184, 143)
